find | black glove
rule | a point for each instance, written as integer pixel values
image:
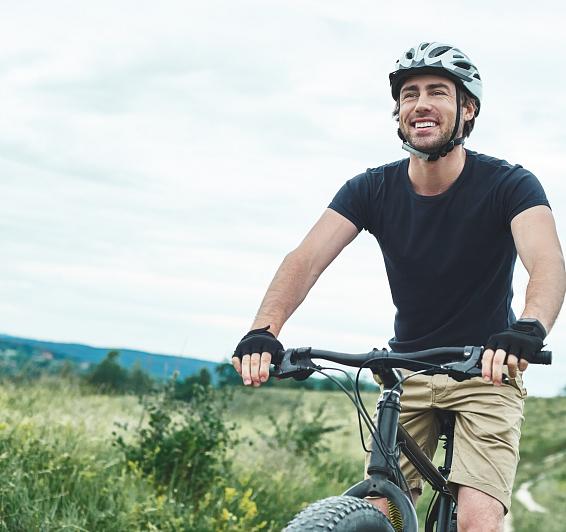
(524, 338)
(259, 341)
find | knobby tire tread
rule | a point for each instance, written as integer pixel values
(340, 514)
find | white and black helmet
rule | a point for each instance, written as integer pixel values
(440, 59)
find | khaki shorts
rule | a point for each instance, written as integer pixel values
(486, 435)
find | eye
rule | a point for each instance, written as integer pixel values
(408, 95)
(438, 93)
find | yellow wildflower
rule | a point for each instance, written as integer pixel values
(229, 494)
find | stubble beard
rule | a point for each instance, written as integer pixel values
(426, 144)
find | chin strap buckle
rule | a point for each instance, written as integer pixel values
(433, 156)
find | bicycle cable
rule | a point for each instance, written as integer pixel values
(356, 400)
(387, 453)
(430, 505)
(396, 451)
(353, 398)
(362, 412)
(360, 400)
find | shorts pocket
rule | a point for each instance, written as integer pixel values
(517, 383)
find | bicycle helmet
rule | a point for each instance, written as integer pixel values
(443, 60)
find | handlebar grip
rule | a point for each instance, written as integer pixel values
(542, 357)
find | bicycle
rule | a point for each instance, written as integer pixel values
(350, 512)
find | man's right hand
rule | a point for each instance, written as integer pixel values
(254, 354)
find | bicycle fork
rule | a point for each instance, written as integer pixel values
(383, 459)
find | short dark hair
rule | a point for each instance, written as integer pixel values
(465, 99)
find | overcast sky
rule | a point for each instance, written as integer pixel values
(159, 159)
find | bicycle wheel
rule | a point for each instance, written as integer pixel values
(340, 514)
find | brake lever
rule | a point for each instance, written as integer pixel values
(470, 367)
(467, 368)
(295, 363)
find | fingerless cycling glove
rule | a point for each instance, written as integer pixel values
(525, 337)
(259, 341)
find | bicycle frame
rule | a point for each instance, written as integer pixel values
(381, 474)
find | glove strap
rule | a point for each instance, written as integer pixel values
(530, 326)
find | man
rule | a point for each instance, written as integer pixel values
(450, 223)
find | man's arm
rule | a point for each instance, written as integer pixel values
(536, 240)
(535, 236)
(295, 277)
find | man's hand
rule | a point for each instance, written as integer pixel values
(253, 355)
(524, 338)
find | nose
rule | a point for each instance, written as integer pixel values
(423, 104)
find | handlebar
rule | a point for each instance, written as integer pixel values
(459, 362)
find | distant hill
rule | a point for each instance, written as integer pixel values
(159, 366)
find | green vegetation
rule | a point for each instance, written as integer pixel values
(75, 459)
(110, 377)
(543, 462)
(189, 388)
(61, 470)
(229, 459)
(183, 447)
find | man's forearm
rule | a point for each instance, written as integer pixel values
(545, 292)
(292, 282)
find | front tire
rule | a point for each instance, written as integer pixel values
(340, 514)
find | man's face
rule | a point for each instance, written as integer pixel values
(427, 111)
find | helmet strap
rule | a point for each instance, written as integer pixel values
(443, 151)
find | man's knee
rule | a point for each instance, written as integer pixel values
(478, 511)
(381, 503)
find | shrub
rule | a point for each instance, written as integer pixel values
(109, 376)
(139, 382)
(184, 444)
(302, 434)
(185, 390)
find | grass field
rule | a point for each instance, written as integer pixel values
(61, 469)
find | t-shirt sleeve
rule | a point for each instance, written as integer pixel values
(522, 191)
(352, 200)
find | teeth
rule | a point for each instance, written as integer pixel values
(425, 124)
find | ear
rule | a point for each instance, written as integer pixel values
(469, 109)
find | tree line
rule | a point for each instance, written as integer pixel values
(110, 377)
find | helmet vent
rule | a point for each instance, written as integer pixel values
(458, 56)
(439, 51)
(461, 64)
(410, 55)
(424, 45)
(477, 76)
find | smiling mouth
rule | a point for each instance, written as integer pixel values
(424, 125)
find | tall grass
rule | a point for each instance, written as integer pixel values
(71, 459)
(74, 460)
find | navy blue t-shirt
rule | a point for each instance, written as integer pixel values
(450, 257)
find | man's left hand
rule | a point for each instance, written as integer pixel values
(512, 347)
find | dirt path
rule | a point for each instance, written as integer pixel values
(523, 494)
